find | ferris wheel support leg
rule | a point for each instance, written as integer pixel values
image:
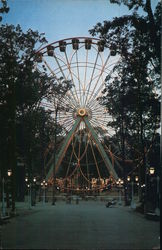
(101, 149)
(63, 149)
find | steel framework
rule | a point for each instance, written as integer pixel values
(85, 62)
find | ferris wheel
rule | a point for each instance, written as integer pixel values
(85, 62)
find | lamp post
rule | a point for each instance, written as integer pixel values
(8, 187)
(133, 204)
(137, 183)
(157, 210)
(34, 193)
(149, 172)
(3, 199)
(29, 192)
(44, 185)
(9, 173)
(120, 185)
(31, 195)
(152, 172)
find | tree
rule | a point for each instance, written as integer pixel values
(21, 89)
(25, 128)
(3, 8)
(132, 96)
(122, 31)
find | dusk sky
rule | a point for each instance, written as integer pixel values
(60, 19)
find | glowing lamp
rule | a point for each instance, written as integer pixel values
(152, 170)
(128, 178)
(9, 172)
(136, 178)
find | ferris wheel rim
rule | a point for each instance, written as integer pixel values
(90, 94)
(69, 38)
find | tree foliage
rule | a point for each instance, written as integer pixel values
(25, 127)
(20, 88)
(132, 96)
(3, 8)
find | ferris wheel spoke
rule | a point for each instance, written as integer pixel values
(67, 125)
(102, 71)
(70, 99)
(80, 84)
(52, 72)
(58, 80)
(116, 61)
(66, 105)
(97, 93)
(62, 120)
(49, 68)
(69, 104)
(81, 65)
(89, 83)
(69, 68)
(101, 120)
(56, 59)
(78, 64)
(60, 68)
(65, 121)
(97, 109)
(63, 116)
(103, 128)
(85, 77)
(97, 127)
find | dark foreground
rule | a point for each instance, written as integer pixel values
(87, 225)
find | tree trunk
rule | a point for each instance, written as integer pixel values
(12, 143)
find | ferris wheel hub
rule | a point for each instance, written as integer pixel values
(82, 112)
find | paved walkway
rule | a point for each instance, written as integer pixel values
(87, 225)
